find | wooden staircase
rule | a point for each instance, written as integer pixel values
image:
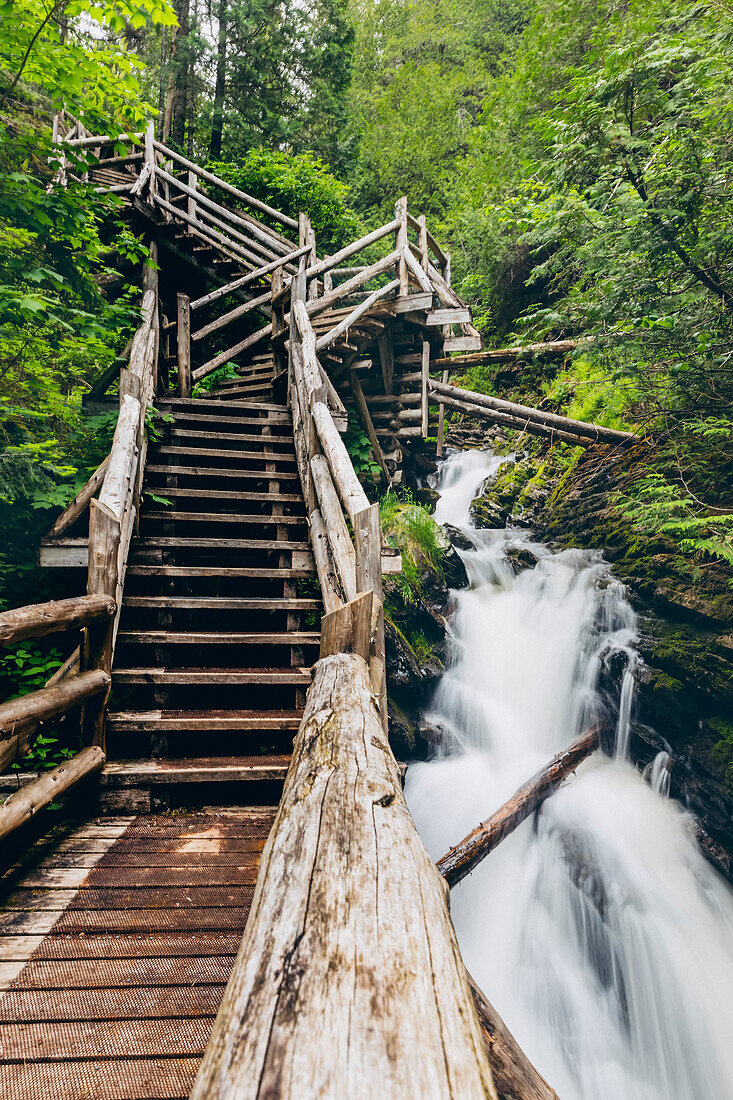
(220, 619)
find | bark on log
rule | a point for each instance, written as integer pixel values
(514, 1075)
(24, 804)
(327, 577)
(594, 432)
(39, 619)
(39, 706)
(348, 629)
(531, 427)
(349, 981)
(344, 478)
(80, 501)
(342, 548)
(461, 860)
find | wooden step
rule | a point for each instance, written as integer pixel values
(190, 721)
(169, 637)
(225, 517)
(259, 573)
(206, 405)
(213, 471)
(233, 494)
(210, 452)
(212, 769)
(233, 437)
(225, 677)
(248, 422)
(223, 603)
(176, 542)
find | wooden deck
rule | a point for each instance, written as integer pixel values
(116, 941)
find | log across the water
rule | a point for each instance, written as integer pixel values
(461, 860)
(349, 981)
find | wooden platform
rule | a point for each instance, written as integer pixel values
(116, 941)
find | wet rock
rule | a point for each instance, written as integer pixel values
(519, 557)
(457, 538)
(487, 514)
(426, 496)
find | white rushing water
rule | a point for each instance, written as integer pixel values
(598, 930)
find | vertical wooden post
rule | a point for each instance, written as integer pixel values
(327, 279)
(192, 205)
(363, 408)
(104, 544)
(184, 345)
(401, 243)
(150, 156)
(150, 282)
(424, 376)
(423, 242)
(441, 420)
(312, 258)
(277, 313)
(368, 539)
(446, 268)
(386, 359)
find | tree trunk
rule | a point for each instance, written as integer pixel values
(180, 63)
(349, 981)
(217, 121)
(461, 860)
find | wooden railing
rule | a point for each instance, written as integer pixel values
(84, 679)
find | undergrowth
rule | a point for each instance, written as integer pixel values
(411, 527)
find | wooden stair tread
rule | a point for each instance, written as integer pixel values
(221, 676)
(209, 720)
(226, 637)
(255, 456)
(234, 603)
(234, 494)
(248, 422)
(131, 773)
(213, 471)
(225, 517)
(242, 437)
(252, 571)
(212, 543)
(203, 403)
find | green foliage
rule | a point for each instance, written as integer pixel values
(411, 527)
(293, 183)
(360, 450)
(224, 373)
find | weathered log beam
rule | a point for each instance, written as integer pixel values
(595, 432)
(461, 860)
(509, 355)
(515, 423)
(514, 1075)
(342, 327)
(80, 501)
(38, 619)
(349, 981)
(344, 477)
(39, 706)
(24, 804)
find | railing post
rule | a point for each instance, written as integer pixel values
(183, 333)
(424, 377)
(402, 273)
(102, 571)
(368, 539)
(277, 313)
(192, 205)
(150, 157)
(423, 243)
(441, 420)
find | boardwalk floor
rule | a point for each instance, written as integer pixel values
(115, 947)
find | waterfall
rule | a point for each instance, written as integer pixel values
(598, 930)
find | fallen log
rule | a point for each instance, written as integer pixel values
(514, 1075)
(508, 355)
(512, 422)
(594, 432)
(349, 981)
(461, 860)
(24, 804)
(36, 620)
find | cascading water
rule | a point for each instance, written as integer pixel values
(598, 930)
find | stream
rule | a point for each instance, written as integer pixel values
(597, 930)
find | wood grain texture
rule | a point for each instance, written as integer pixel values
(349, 982)
(38, 619)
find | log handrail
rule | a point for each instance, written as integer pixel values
(245, 280)
(39, 619)
(228, 187)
